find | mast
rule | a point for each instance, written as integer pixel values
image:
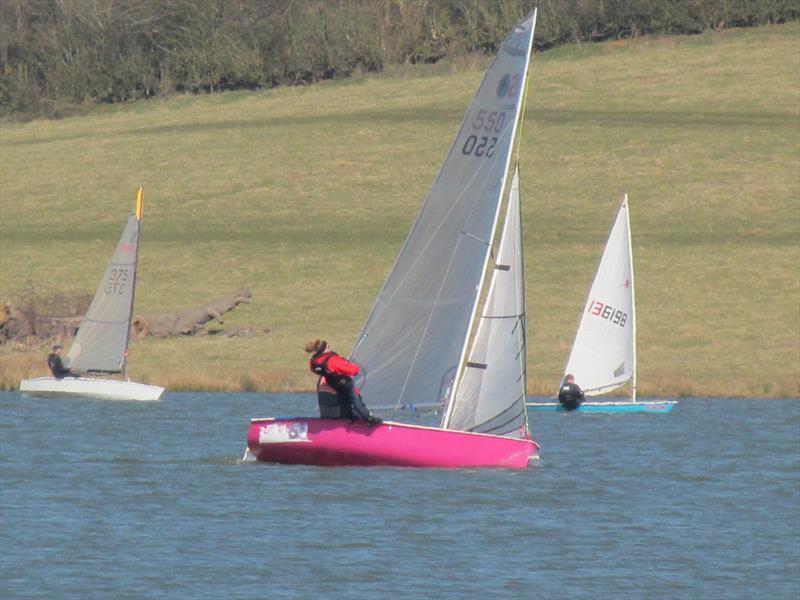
(633, 295)
(137, 212)
(488, 257)
(524, 317)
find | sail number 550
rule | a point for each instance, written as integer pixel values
(488, 121)
(605, 311)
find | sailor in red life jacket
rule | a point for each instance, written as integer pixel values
(337, 395)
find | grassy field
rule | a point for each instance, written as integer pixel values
(305, 195)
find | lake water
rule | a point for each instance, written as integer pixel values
(150, 500)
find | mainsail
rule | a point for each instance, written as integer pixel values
(491, 392)
(604, 353)
(414, 339)
(102, 340)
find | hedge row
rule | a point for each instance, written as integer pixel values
(56, 54)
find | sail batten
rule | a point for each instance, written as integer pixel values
(413, 343)
(105, 322)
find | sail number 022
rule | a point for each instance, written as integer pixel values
(485, 122)
(605, 311)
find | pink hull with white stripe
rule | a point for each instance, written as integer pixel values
(333, 442)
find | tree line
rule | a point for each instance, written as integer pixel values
(59, 54)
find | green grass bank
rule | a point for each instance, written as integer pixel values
(305, 195)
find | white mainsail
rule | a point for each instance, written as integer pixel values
(491, 392)
(603, 356)
(102, 340)
(414, 340)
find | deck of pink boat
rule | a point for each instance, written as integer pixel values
(332, 442)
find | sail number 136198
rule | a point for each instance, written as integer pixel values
(604, 311)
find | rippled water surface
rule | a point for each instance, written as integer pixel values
(143, 500)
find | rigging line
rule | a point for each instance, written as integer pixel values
(373, 314)
(428, 323)
(433, 234)
(522, 111)
(484, 169)
(453, 255)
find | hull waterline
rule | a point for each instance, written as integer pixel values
(334, 442)
(86, 387)
(606, 407)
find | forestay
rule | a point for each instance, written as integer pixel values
(414, 338)
(102, 338)
(491, 392)
(604, 353)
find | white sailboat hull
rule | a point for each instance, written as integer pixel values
(86, 387)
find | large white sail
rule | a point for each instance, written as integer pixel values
(491, 392)
(604, 353)
(102, 338)
(414, 339)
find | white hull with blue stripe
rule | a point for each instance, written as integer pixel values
(607, 407)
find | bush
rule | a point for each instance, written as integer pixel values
(61, 53)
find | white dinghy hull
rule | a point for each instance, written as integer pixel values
(85, 387)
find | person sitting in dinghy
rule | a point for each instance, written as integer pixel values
(570, 396)
(337, 395)
(56, 365)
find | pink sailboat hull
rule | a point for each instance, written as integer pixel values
(333, 442)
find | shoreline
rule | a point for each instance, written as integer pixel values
(232, 386)
(241, 377)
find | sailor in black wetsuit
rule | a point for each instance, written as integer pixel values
(56, 365)
(570, 395)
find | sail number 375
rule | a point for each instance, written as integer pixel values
(117, 279)
(604, 311)
(488, 122)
